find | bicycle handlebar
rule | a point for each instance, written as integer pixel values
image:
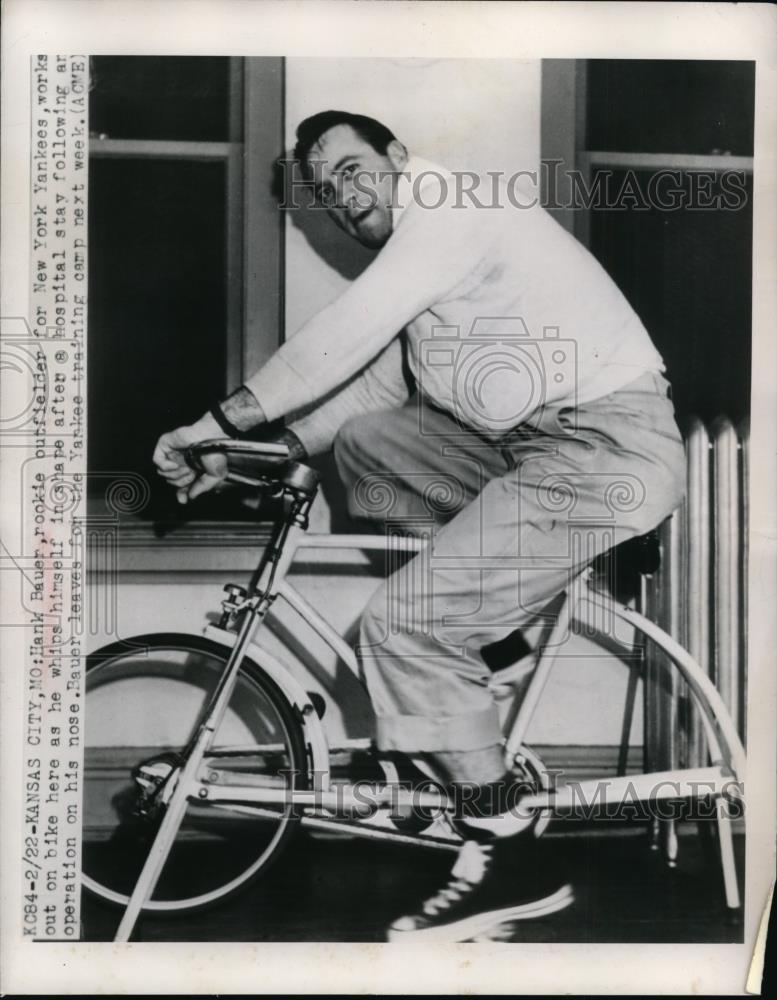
(270, 463)
(274, 454)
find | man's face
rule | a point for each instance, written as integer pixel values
(355, 183)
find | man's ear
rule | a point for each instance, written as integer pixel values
(397, 154)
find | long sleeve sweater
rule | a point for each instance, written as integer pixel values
(504, 310)
(381, 386)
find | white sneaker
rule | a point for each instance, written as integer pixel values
(492, 884)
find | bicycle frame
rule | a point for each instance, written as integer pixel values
(247, 614)
(700, 684)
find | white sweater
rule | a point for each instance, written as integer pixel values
(504, 311)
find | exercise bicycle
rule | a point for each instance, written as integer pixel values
(210, 744)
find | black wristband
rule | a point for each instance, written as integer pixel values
(226, 425)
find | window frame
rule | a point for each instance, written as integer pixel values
(563, 137)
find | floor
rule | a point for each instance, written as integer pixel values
(333, 888)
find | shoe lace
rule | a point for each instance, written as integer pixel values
(468, 872)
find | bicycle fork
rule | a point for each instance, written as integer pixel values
(265, 589)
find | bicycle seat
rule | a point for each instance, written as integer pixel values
(263, 465)
(619, 569)
(641, 554)
(621, 566)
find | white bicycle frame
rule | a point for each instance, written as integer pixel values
(715, 781)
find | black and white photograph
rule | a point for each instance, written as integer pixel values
(390, 429)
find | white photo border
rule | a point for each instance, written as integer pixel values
(307, 27)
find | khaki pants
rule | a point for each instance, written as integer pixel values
(510, 523)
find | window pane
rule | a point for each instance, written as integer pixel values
(160, 97)
(687, 274)
(663, 106)
(156, 308)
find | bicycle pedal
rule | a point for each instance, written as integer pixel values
(153, 778)
(155, 770)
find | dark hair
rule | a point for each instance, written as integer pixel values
(311, 129)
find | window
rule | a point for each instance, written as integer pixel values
(615, 126)
(185, 254)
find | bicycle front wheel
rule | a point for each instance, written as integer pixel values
(144, 700)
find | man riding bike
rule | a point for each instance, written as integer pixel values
(534, 381)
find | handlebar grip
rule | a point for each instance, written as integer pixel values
(271, 454)
(272, 465)
(193, 458)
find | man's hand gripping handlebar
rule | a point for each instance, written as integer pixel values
(265, 466)
(207, 468)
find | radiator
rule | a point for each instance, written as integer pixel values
(699, 594)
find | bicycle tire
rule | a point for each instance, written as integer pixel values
(167, 677)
